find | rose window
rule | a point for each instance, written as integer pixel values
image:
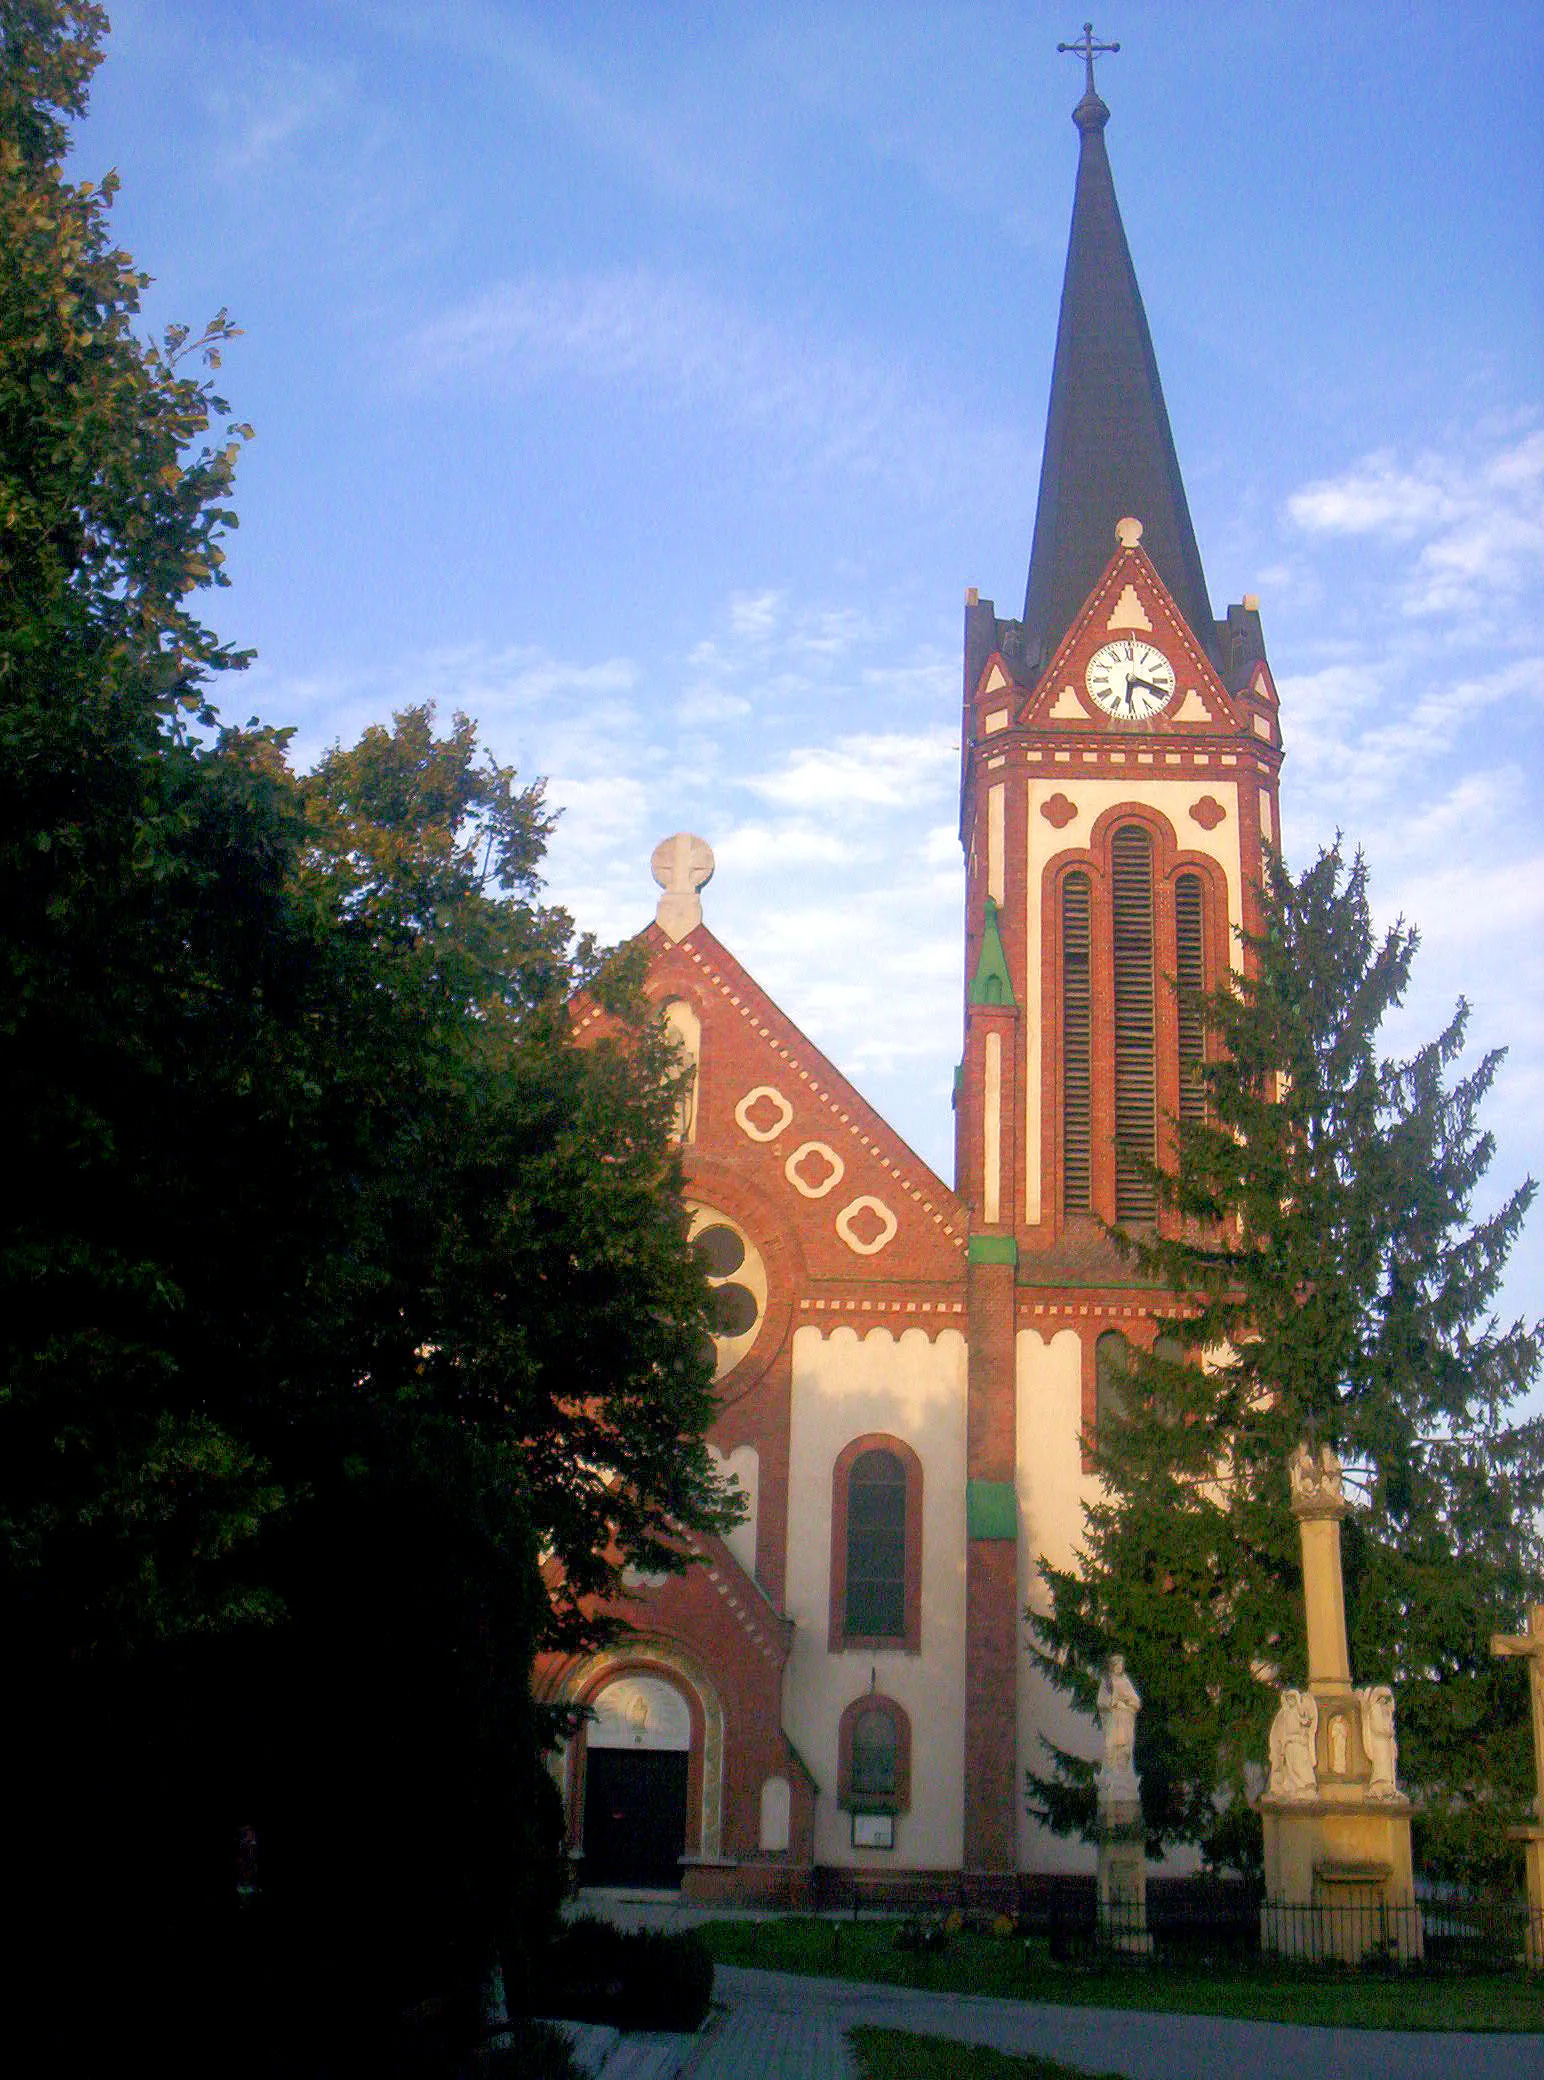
(737, 1285)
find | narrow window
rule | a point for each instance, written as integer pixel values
(876, 1547)
(1111, 1362)
(1077, 1089)
(1136, 1094)
(1190, 985)
(874, 1755)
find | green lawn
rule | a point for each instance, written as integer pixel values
(892, 2054)
(999, 1965)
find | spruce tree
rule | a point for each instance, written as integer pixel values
(1336, 1281)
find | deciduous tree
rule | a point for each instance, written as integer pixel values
(337, 1284)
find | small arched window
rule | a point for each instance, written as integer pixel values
(874, 1756)
(876, 1546)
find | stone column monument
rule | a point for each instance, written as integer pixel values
(1338, 1880)
(1531, 1646)
(1122, 1858)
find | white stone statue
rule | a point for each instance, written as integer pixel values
(1293, 1771)
(1378, 1739)
(1315, 1482)
(1118, 1708)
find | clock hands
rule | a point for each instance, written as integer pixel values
(1133, 684)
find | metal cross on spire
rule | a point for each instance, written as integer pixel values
(1088, 50)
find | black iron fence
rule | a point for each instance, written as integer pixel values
(1445, 1932)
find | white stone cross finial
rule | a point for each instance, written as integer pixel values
(681, 865)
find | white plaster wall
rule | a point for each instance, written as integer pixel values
(1053, 1494)
(1173, 799)
(913, 1387)
(743, 1466)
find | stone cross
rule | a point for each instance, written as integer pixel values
(1088, 50)
(681, 865)
(1531, 1648)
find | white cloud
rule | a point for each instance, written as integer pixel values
(859, 773)
(753, 615)
(829, 406)
(1476, 513)
(275, 100)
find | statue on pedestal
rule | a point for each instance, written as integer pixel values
(1122, 1868)
(1378, 1739)
(1118, 1708)
(1294, 1773)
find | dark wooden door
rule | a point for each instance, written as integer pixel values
(634, 1817)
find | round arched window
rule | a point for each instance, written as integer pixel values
(737, 1283)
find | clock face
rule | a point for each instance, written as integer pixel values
(1130, 679)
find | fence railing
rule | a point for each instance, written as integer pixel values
(1447, 1933)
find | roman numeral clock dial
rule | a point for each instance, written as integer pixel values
(1130, 680)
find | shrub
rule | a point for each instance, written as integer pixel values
(597, 1973)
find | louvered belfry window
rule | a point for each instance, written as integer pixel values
(1136, 1089)
(876, 1547)
(1077, 1053)
(1190, 986)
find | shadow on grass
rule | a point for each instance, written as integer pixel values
(1010, 1968)
(893, 2054)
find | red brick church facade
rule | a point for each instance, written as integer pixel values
(909, 1372)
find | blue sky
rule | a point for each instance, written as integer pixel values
(650, 383)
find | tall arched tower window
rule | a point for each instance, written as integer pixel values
(1133, 929)
(1136, 1078)
(1077, 1045)
(1190, 987)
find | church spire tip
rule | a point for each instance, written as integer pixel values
(1090, 113)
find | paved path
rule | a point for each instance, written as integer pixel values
(784, 2028)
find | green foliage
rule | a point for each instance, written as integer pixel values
(642, 1979)
(1254, 1989)
(337, 1283)
(1320, 1225)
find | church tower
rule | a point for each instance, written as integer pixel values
(1120, 761)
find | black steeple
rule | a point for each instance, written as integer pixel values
(1108, 448)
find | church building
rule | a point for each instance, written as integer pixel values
(910, 1370)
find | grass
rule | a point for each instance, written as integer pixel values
(893, 2054)
(1002, 1965)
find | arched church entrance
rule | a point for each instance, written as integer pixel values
(637, 1759)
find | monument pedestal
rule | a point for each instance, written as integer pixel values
(1123, 1877)
(1338, 1877)
(1530, 1646)
(1532, 1839)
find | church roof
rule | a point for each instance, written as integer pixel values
(1108, 448)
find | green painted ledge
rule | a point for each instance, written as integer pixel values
(992, 1249)
(991, 1510)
